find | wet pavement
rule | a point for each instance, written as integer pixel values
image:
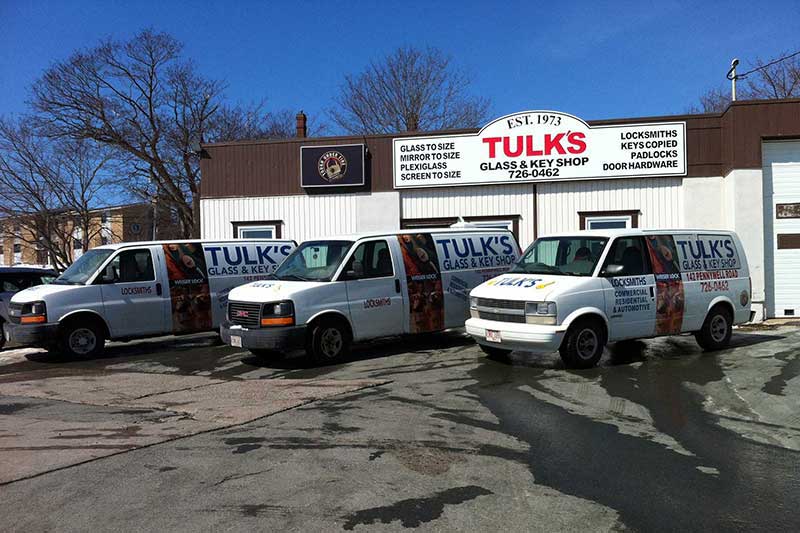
(425, 433)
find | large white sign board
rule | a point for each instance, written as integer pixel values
(540, 146)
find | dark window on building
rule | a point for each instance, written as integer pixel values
(17, 248)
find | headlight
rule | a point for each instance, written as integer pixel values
(541, 313)
(33, 313)
(473, 302)
(278, 314)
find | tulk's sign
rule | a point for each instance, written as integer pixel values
(541, 146)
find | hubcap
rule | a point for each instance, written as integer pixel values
(82, 341)
(331, 342)
(587, 344)
(719, 328)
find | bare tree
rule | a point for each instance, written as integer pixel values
(766, 80)
(410, 89)
(49, 191)
(152, 106)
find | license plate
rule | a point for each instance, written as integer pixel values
(492, 336)
(236, 341)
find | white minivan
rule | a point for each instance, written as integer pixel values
(139, 289)
(576, 292)
(329, 293)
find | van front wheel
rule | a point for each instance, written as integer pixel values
(717, 329)
(583, 345)
(81, 339)
(328, 342)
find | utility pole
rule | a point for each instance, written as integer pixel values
(732, 76)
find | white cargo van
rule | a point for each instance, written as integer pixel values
(574, 293)
(140, 289)
(331, 292)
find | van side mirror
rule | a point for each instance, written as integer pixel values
(356, 270)
(108, 275)
(613, 270)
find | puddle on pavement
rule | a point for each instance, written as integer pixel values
(725, 480)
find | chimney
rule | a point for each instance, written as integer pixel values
(301, 125)
(413, 124)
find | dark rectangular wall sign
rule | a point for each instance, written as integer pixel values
(787, 211)
(339, 165)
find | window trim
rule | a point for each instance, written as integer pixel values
(632, 213)
(443, 222)
(276, 225)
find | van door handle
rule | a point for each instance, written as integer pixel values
(158, 289)
(652, 292)
(397, 286)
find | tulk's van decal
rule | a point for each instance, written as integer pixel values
(525, 283)
(243, 260)
(707, 252)
(670, 298)
(425, 294)
(469, 253)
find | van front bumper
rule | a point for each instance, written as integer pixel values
(40, 335)
(273, 338)
(514, 336)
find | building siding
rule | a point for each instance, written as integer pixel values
(659, 201)
(495, 200)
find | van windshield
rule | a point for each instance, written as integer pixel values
(81, 270)
(313, 261)
(562, 256)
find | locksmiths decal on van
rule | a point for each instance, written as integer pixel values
(189, 291)
(669, 285)
(425, 295)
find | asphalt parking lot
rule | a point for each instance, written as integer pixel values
(184, 434)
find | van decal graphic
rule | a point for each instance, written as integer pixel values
(544, 285)
(424, 281)
(189, 292)
(670, 298)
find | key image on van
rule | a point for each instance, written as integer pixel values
(576, 293)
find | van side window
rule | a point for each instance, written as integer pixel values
(375, 258)
(131, 266)
(631, 253)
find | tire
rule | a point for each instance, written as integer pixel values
(81, 339)
(717, 329)
(2, 334)
(328, 341)
(491, 351)
(583, 344)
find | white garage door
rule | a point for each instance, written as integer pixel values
(782, 225)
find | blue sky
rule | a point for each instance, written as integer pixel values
(591, 59)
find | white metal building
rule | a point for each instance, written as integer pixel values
(736, 170)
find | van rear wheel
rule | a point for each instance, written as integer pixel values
(583, 344)
(717, 329)
(81, 339)
(328, 341)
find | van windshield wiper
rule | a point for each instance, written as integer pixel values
(288, 277)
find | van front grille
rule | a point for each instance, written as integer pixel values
(501, 317)
(244, 314)
(501, 304)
